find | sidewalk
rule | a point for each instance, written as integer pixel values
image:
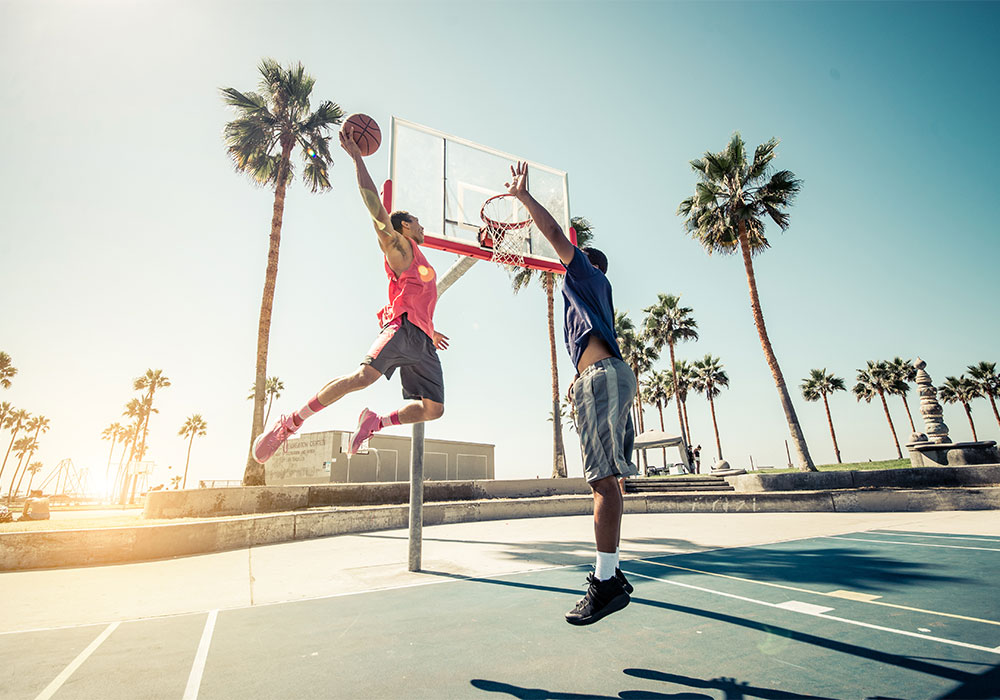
(346, 564)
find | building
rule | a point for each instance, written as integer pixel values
(317, 458)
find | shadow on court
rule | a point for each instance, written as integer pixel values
(971, 685)
(846, 567)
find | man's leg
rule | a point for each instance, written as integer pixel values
(370, 423)
(269, 441)
(608, 507)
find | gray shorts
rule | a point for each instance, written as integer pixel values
(603, 396)
(404, 346)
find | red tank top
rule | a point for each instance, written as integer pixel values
(413, 293)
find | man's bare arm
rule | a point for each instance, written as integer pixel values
(543, 219)
(388, 237)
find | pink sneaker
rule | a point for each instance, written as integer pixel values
(268, 442)
(367, 425)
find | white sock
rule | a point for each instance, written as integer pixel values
(607, 562)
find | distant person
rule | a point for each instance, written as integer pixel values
(697, 459)
(602, 393)
(36, 507)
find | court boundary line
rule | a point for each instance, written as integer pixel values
(905, 633)
(899, 533)
(910, 544)
(76, 663)
(200, 658)
(827, 594)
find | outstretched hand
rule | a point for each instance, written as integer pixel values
(347, 141)
(440, 341)
(518, 184)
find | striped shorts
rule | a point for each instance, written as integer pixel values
(603, 396)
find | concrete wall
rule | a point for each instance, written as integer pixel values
(200, 503)
(62, 548)
(919, 477)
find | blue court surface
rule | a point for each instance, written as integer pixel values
(868, 614)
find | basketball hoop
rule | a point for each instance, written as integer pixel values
(506, 228)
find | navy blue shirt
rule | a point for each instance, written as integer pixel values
(589, 310)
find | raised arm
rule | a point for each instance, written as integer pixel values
(388, 238)
(518, 186)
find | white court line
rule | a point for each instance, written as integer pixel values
(910, 544)
(198, 668)
(974, 538)
(824, 616)
(58, 681)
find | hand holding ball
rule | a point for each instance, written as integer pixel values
(364, 131)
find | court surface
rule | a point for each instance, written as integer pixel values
(725, 606)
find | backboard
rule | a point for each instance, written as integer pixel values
(444, 180)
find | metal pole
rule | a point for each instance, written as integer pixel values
(416, 495)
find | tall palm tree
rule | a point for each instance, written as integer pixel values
(709, 379)
(727, 213)
(7, 370)
(113, 433)
(33, 469)
(639, 354)
(819, 385)
(657, 390)
(272, 389)
(15, 420)
(584, 236)
(668, 323)
(260, 140)
(960, 390)
(903, 373)
(985, 375)
(40, 424)
(5, 409)
(877, 380)
(195, 425)
(175, 482)
(152, 380)
(22, 448)
(680, 383)
(138, 410)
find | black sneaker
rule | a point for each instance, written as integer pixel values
(602, 598)
(623, 581)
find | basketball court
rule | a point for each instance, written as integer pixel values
(725, 606)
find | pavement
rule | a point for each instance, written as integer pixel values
(727, 605)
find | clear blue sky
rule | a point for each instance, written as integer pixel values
(127, 241)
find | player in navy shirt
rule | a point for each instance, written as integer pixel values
(602, 393)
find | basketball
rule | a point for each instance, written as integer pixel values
(366, 132)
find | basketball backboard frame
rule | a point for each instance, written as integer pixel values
(444, 179)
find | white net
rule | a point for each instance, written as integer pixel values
(507, 228)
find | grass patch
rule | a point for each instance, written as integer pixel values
(849, 467)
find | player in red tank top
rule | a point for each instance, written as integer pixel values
(407, 342)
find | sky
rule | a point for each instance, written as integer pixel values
(128, 241)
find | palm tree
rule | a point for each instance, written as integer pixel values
(668, 323)
(22, 448)
(175, 481)
(680, 383)
(657, 390)
(40, 424)
(113, 433)
(903, 373)
(727, 213)
(638, 354)
(138, 410)
(14, 421)
(709, 378)
(818, 385)
(985, 375)
(5, 409)
(961, 390)
(33, 469)
(584, 236)
(260, 141)
(194, 425)
(874, 381)
(152, 380)
(7, 370)
(272, 389)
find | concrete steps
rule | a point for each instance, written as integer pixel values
(677, 484)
